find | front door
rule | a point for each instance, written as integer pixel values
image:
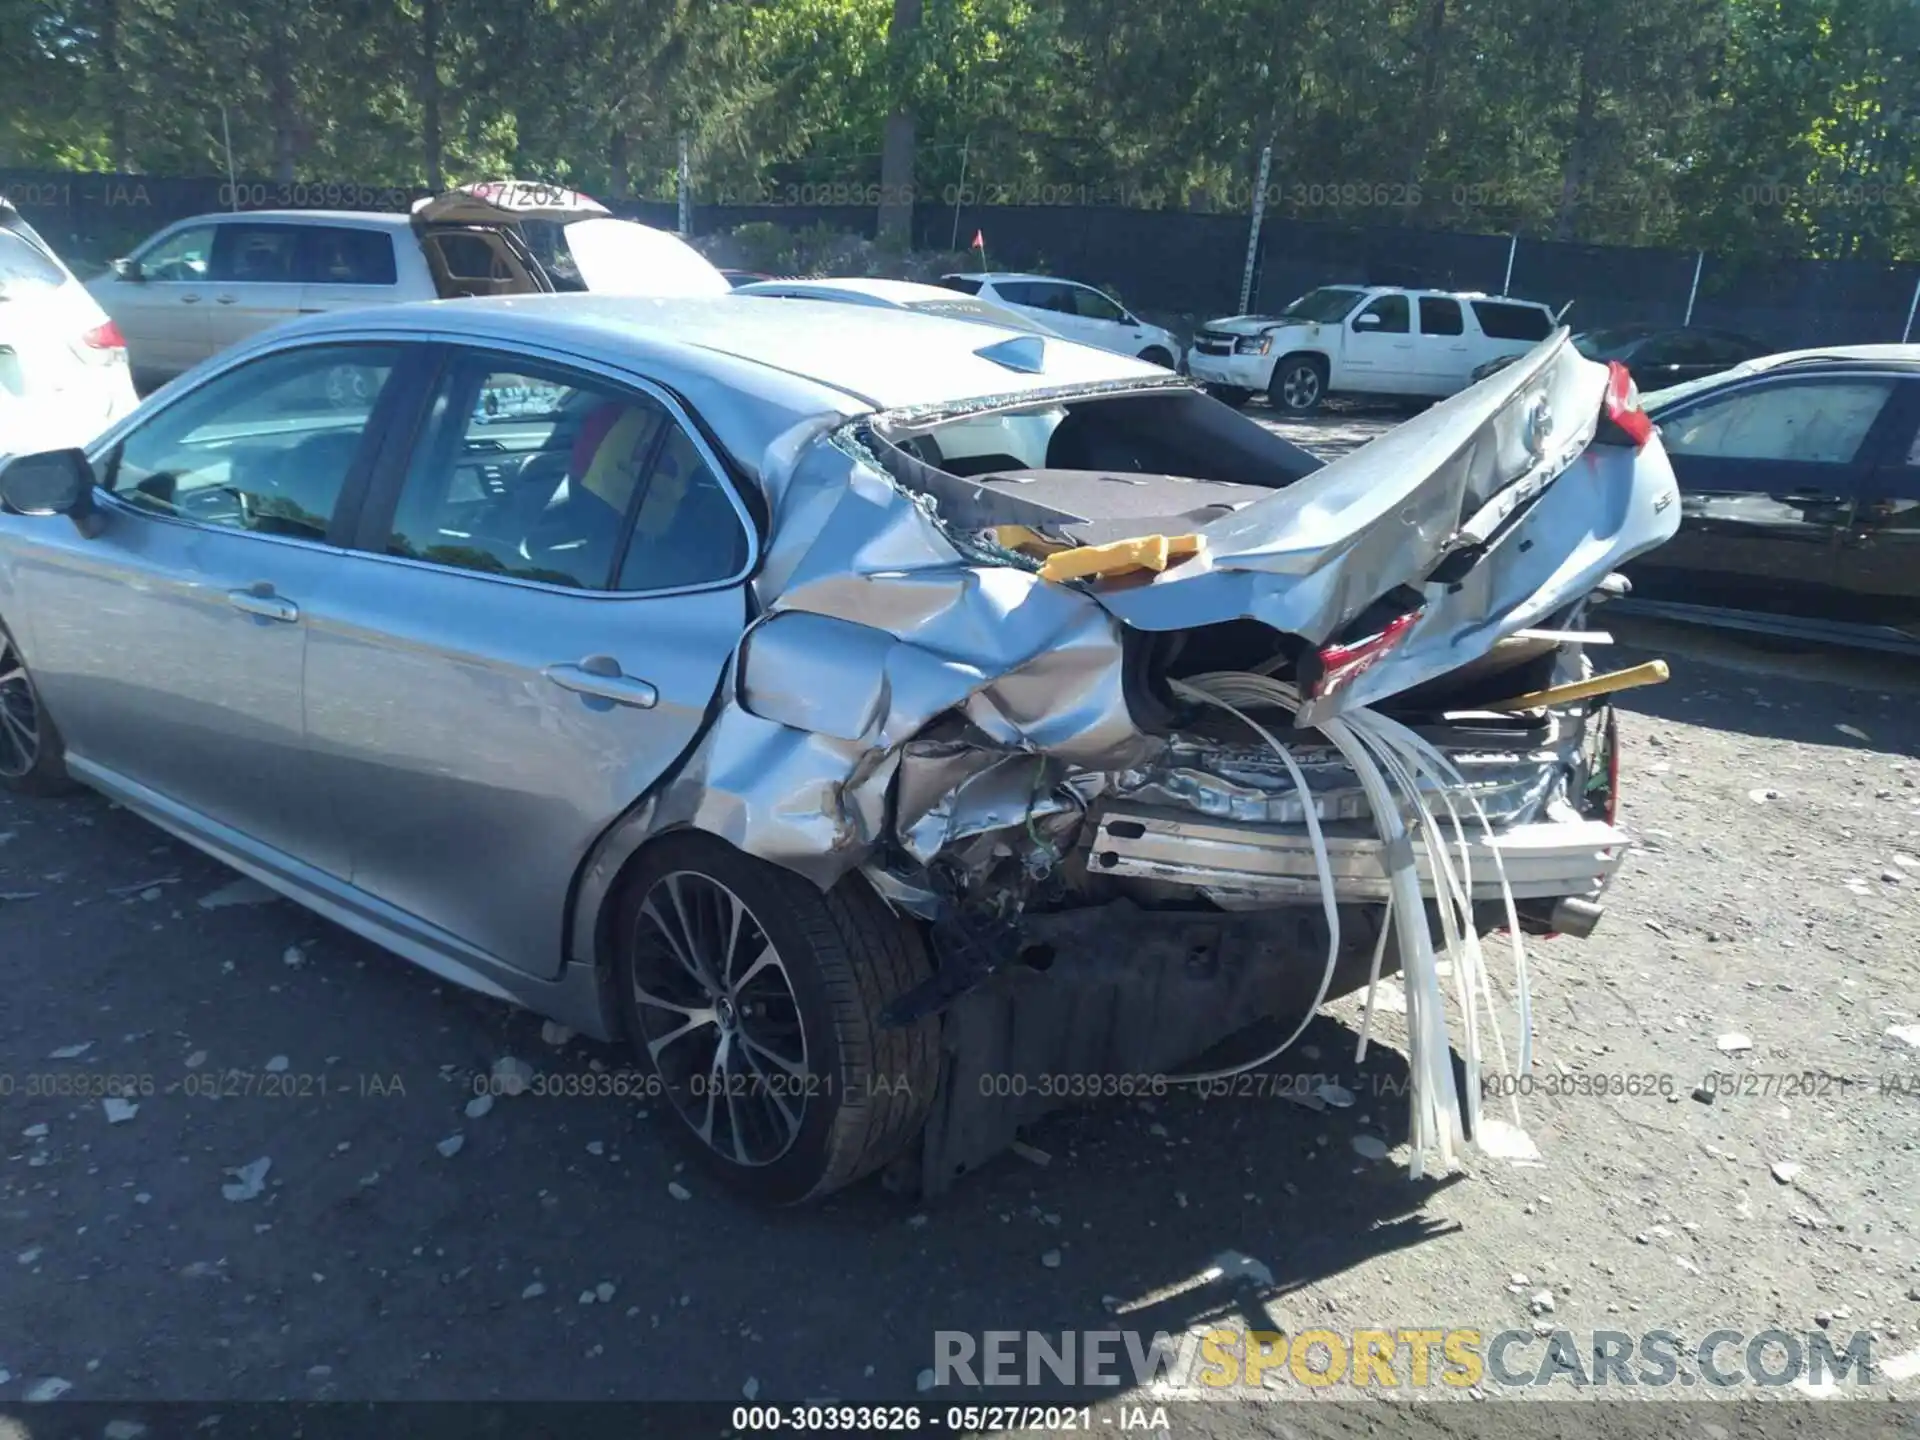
(1769, 476)
(171, 649)
(162, 309)
(530, 640)
(1379, 348)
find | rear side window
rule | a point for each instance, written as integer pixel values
(24, 267)
(1040, 294)
(964, 284)
(1500, 321)
(542, 474)
(1441, 316)
(339, 256)
(685, 529)
(257, 254)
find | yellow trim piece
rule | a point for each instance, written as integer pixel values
(1031, 542)
(1654, 672)
(1121, 557)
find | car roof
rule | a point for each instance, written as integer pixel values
(898, 292)
(1432, 290)
(363, 219)
(1876, 354)
(992, 276)
(881, 357)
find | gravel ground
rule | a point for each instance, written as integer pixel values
(400, 1247)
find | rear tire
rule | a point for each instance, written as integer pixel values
(756, 1001)
(1230, 395)
(1299, 385)
(1154, 355)
(32, 754)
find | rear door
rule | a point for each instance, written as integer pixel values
(347, 268)
(1880, 554)
(1770, 472)
(256, 279)
(539, 611)
(171, 648)
(1443, 355)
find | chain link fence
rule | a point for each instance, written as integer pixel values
(1172, 264)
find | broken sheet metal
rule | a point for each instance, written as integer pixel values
(1313, 556)
(876, 619)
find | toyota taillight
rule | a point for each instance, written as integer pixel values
(1622, 421)
(1341, 665)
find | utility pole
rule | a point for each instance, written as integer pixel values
(1253, 232)
(685, 186)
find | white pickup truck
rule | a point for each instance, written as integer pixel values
(1363, 340)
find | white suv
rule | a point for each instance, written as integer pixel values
(1077, 312)
(1363, 340)
(63, 365)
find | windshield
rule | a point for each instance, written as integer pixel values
(1662, 399)
(620, 257)
(1324, 306)
(979, 311)
(1607, 344)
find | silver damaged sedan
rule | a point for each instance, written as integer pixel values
(886, 727)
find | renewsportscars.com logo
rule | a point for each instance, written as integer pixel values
(1223, 1360)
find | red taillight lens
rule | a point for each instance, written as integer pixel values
(1621, 412)
(102, 345)
(1341, 665)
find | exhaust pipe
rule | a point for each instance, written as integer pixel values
(1577, 918)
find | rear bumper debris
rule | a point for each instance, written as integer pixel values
(1550, 859)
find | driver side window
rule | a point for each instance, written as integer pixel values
(183, 255)
(267, 447)
(1396, 315)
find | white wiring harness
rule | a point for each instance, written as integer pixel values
(1390, 761)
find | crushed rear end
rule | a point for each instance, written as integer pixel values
(1154, 723)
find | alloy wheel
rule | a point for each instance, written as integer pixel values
(720, 1017)
(1301, 388)
(19, 714)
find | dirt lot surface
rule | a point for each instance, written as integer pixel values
(1764, 951)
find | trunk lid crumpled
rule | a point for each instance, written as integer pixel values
(909, 690)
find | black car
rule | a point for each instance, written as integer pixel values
(1659, 356)
(1800, 499)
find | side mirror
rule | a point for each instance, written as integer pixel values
(53, 482)
(1368, 321)
(126, 269)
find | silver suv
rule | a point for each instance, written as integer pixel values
(209, 282)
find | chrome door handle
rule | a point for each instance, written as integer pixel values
(599, 677)
(224, 299)
(261, 601)
(189, 299)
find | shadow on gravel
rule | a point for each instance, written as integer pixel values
(1271, 1199)
(1804, 696)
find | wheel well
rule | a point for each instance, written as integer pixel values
(1320, 362)
(607, 899)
